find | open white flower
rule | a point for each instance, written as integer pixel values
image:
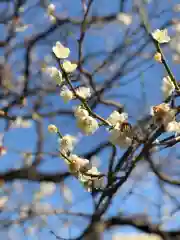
(161, 36)
(83, 92)
(125, 18)
(117, 117)
(60, 51)
(173, 127)
(167, 87)
(76, 163)
(66, 94)
(80, 112)
(68, 66)
(55, 74)
(120, 137)
(93, 171)
(87, 124)
(163, 114)
(67, 143)
(91, 179)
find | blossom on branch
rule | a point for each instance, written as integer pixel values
(60, 51)
(68, 66)
(66, 94)
(83, 92)
(87, 124)
(121, 135)
(161, 36)
(163, 114)
(92, 179)
(55, 74)
(76, 163)
(116, 117)
(80, 112)
(67, 143)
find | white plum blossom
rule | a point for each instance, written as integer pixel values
(60, 51)
(163, 114)
(87, 124)
(161, 36)
(67, 143)
(76, 163)
(173, 127)
(80, 112)
(66, 94)
(55, 74)
(83, 92)
(93, 171)
(120, 137)
(115, 117)
(91, 179)
(125, 18)
(167, 87)
(68, 66)
(90, 174)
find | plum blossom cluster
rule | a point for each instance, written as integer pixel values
(121, 132)
(163, 114)
(81, 168)
(68, 95)
(60, 52)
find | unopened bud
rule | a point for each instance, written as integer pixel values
(52, 128)
(158, 57)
